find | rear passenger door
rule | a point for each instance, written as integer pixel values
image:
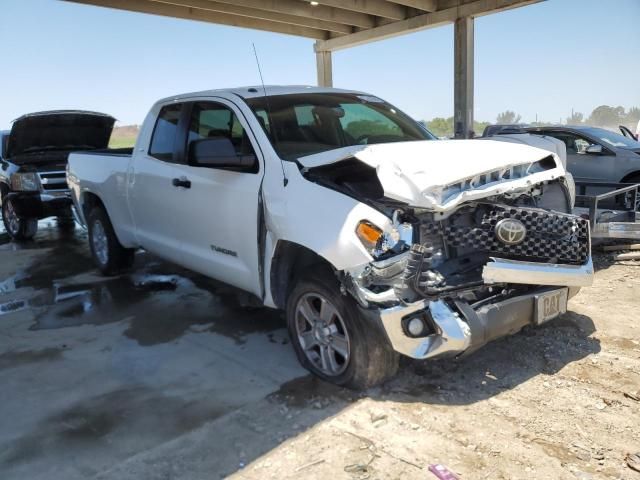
(154, 201)
(219, 225)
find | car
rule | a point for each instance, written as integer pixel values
(33, 161)
(593, 154)
(375, 239)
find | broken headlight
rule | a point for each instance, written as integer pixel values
(25, 182)
(378, 242)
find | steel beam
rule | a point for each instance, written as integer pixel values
(463, 77)
(474, 8)
(176, 11)
(325, 69)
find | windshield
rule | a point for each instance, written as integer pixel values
(614, 139)
(304, 124)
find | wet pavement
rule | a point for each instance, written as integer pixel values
(95, 370)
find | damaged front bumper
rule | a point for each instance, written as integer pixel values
(455, 327)
(459, 328)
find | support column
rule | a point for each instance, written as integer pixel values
(463, 78)
(325, 73)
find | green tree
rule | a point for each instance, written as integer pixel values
(508, 117)
(607, 116)
(478, 127)
(576, 118)
(440, 127)
(633, 116)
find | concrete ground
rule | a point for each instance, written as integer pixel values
(163, 374)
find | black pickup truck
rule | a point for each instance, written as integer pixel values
(33, 160)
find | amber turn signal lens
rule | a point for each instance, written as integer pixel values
(368, 234)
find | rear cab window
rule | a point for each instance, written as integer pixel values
(163, 139)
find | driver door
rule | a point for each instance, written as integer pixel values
(219, 223)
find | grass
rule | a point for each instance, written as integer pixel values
(122, 142)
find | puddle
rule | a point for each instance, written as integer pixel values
(109, 301)
(16, 359)
(159, 307)
(48, 236)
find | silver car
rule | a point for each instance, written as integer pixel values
(596, 154)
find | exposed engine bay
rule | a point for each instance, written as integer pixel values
(441, 255)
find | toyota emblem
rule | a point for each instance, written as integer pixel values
(510, 231)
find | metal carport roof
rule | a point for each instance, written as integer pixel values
(339, 24)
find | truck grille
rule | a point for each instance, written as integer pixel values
(53, 181)
(551, 237)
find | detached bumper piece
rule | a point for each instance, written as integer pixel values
(458, 328)
(36, 205)
(499, 270)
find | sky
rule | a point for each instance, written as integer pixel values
(541, 61)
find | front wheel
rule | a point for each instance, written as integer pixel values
(109, 255)
(18, 228)
(332, 339)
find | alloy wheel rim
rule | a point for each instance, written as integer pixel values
(13, 222)
(322, 334)
(99, 242)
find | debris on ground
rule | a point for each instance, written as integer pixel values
(633, 461)
(442, 472)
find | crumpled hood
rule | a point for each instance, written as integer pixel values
(439, 175)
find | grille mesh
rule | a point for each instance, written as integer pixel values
(551, 237)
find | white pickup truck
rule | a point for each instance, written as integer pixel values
(376, 238)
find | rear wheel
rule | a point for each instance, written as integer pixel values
(635, 179)
(333, 339)
(109, 255)
(18, 228)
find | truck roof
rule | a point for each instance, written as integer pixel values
(259, 91)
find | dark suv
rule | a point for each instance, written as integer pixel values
(33, 160)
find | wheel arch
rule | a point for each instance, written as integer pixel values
(88, 201)
(4, 189)
(288, 262)
(629, 176)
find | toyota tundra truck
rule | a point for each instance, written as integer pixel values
(33, 160)
(375, 238)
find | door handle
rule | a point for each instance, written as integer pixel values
(181, 182)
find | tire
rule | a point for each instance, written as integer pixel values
(635, 179)
(109, 255)
(369, 358)
(66, 222)
(19, 229)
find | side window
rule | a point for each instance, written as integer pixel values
(164, 133)
(582, 145)
(575, 144)
(213, 120)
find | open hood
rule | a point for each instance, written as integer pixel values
(60, 130)
(440, 175)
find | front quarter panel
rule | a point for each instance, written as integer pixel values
(321, 220)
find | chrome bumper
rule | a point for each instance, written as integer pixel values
(499, 270)
(459, 331)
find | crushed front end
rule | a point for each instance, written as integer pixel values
(452, 280)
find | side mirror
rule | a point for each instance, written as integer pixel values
(594, 150)
(217, 152)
